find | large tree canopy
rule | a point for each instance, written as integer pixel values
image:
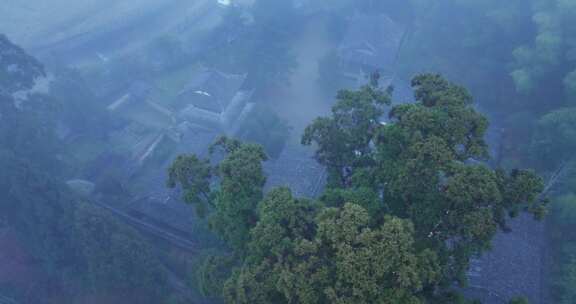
(409, 203)
(241, 182)
(232, 206)
(77, 249)
(302, 255)
(425, 163)
(343, 140)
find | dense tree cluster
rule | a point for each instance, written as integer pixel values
(116, 259)
(302, 254)
(233, 206)
(425, 165)
(411, 197)
(518, 57)
(77, 251)
(409, 202)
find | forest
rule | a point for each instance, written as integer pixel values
(288, 151)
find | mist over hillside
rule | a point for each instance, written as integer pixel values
(287, 151)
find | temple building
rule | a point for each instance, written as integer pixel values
(215, 100)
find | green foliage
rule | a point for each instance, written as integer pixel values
(519, 57)
(117, 260)
(409, 204)
(193, 176)
(551, 64)
(232, 206)
(420, 164)
(555, 137)
(34, 203)
(343, 140)
(516, 56)
(423, 158)
(551, 50)
(373, 265)
(281, 218)
(28, 119)
(39, 209)
(338, 259)
(212, 272)
(523, 80)
(241, 183)
(363, 196)
(73, 245)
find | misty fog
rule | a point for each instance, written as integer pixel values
(287, 151)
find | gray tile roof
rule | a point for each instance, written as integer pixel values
(514, 266)
(372, 41)
(212, 90)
